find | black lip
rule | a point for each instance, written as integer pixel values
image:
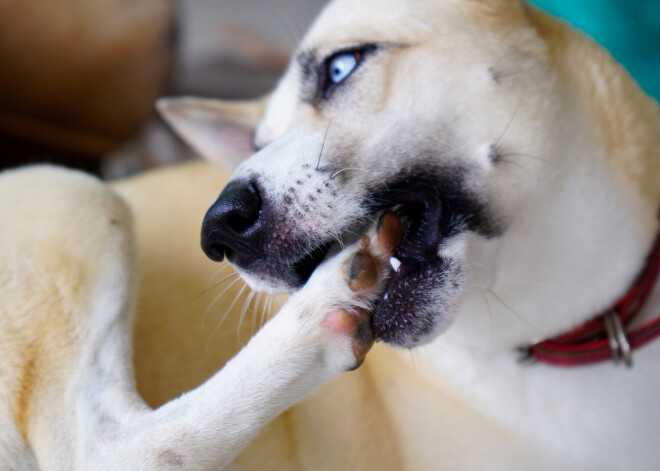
(293, 273)
(420, 205)
(304, 267)
(409, 313)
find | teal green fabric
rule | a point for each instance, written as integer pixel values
(630, 29)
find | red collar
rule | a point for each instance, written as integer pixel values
(608, 335)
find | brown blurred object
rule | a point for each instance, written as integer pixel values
(80, 76)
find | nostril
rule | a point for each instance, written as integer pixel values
(216, 252)
(242, 208)
(240, 223)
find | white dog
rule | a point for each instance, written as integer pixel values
(524, 167)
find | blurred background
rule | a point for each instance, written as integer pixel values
(78, 78)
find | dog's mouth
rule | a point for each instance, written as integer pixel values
(419, 207)
(403, 314)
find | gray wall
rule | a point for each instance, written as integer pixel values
(207, 67)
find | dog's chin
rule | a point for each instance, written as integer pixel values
(265, 284)
(275, 275)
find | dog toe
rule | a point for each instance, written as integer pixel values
(388, 234)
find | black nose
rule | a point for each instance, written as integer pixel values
(234, 224)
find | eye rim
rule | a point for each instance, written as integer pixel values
(326, 85)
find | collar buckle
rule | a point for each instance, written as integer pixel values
(525, 355)
(618, 341)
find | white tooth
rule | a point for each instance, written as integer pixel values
(385, 297)
(396, 263)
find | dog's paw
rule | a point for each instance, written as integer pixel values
(340, 295)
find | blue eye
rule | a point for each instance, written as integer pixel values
(342, 65)
(336, 68)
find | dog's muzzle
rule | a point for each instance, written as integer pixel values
(278, 248)
(234, 225)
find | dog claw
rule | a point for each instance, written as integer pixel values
(363, 337)
(390, 232)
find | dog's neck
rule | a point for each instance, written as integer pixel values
(575, 247)
(555, 269)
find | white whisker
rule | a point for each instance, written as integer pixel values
(510, 309)
(215, 285)
(217, 297)
(332, 177)
(508, 125)
(224, 316)
(246, 305)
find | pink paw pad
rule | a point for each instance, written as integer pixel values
(355, 325)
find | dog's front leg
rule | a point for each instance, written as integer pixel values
(322, 331)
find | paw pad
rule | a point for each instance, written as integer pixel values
(356, 325)
(362, 269)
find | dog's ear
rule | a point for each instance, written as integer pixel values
(499, 5)
(503, 12)
(220, 131)
(496, 3)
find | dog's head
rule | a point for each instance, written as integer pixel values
(448, 113)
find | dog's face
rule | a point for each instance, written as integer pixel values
(427, 109)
